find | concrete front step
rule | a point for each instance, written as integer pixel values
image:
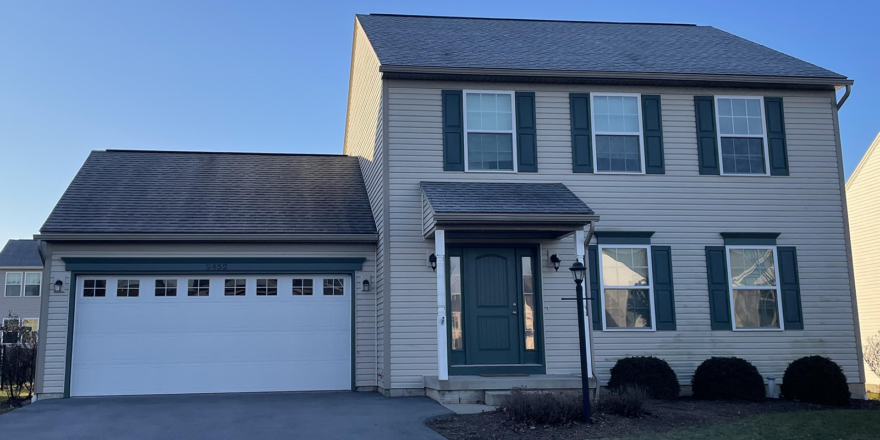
(486, 389)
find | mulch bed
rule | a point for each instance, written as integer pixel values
(664, 416)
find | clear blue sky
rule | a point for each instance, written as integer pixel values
(272, 76)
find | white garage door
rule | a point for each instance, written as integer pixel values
(208, 334)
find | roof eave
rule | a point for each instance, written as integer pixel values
(537, 75)
(209, 237)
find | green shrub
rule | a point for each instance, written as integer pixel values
(627, 402)
(815, 379)
(543, 408)
(727, 378)
(651, 374)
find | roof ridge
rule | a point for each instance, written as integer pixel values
(220, 152)
(531, 19)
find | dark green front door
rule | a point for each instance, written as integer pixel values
(494, 309)
(490, 296)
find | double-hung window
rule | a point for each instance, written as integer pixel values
(626, 288)
(742, 134)
(490, 138)
(617, 133)
(32, 281)
(754, 287)
(13, 283)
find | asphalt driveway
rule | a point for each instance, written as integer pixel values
(226, 416)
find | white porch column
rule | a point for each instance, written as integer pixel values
(440, 253)
(580, 252)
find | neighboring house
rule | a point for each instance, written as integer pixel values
(704, 170)
(21, 269)
(864, 209)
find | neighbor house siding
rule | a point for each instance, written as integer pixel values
(687, 211)
(58, 305)
(364, 138)
(25, 307)
(864, 212)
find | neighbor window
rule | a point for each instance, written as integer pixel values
(166, 287)
(754, 289)
(334, 286)
(94, 288)
(302, 287)
(489, 131)
(455, 302)
(13, 283)
(128, 287)
(267, 286)
(742, 138)
(235, 287)
(32, 281)
(617, 131)
(31, 323)
(198, 288)
(627, 296)
(11, 330)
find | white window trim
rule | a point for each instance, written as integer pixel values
(512, 131)
(602, 288)
(6, 283)
(595, 133)
(731, 288)
(24, 285)
(763, 130)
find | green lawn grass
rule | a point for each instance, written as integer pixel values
(834, 425)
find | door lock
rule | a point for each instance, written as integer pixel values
(514, 312)
(514, 304)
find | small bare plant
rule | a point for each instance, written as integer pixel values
(628, 401)
(543, 408)
(18, 363)
(871, 353)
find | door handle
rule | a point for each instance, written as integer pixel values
(514, 312)
(514, 304)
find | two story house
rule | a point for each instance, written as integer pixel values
(21, 269)
(696, 174)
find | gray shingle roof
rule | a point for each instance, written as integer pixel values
(21, 253)
(419, 41)
(503, 198)
(185, 192)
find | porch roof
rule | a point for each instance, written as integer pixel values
(537, 210)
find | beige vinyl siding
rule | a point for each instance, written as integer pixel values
(364, 138)
(687, 211)
(25, 307)
(56, 328)
(864, 211)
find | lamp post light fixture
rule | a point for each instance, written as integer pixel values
(555, 260)
(58, 286)
(579, 272)
(433, 260)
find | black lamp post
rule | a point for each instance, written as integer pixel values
(579, 272)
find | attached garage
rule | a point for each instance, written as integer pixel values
(175, 334)
(178, 272)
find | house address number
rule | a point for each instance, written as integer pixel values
(216, 266)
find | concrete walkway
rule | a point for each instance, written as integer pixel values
(226, 416)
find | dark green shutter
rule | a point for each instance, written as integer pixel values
(453, 131)
(776, 136)
(719, 296)
(707, 139)
(526, 142)
(581, 137)
(653, 133)
(664, 295)
(593, 256)
(791, 289)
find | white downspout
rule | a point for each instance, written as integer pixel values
(588, 305)
(580, 252)
(440, 253)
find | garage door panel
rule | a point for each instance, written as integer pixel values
(161, 345)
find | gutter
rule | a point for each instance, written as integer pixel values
(643, 76)
(179, 237)
(844, 97)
